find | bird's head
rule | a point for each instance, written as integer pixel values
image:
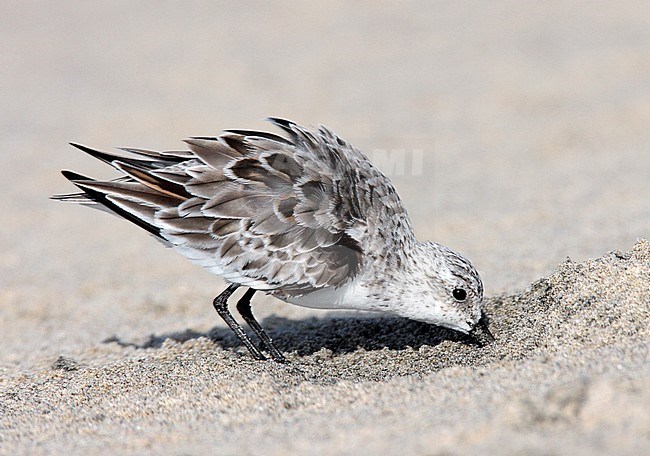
(450, 293)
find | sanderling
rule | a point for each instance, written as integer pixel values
(304, 217)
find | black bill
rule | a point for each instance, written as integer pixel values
(481, 333)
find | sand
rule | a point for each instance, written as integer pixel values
(530, 122)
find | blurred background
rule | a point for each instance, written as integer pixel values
(523, 128)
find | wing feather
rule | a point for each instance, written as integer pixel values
(287, 215)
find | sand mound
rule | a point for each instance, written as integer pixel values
(591, 304)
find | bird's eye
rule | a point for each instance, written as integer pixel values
(459, 294)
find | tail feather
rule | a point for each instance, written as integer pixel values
(92, 192)
(80, 198)
(112, 158)
(143, 212)
(259, 134)
(144, 171)
(174, 156)
(155, 160)
(156, 182)
(128, 190)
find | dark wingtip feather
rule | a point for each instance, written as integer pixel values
(160, 184)
(205, 138)
(99, 197)
(81, 147)
(103, 156)
(285, 124)
(72, 176)
(259, 134)
(73, 198)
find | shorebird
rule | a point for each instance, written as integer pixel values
(304, 217)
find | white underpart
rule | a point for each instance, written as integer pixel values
(351, 296)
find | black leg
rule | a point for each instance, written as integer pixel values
(244, 308)
(221, 306)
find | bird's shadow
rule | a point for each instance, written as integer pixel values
(310, 335)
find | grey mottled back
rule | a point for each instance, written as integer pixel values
(286, 215)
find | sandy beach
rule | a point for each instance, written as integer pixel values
(515, 133)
